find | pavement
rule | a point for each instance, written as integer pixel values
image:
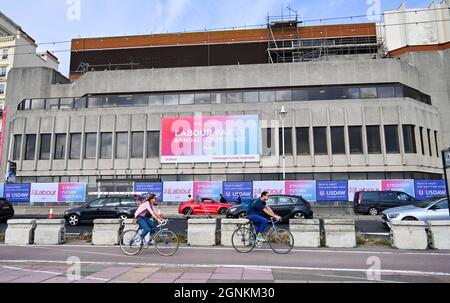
(89, 264)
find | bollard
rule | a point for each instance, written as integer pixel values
(306, 233)
(228, 227)
(50, 232)
(440, 234)
(409, 235)
(340, 233)
(202, 232)
(20, 232)
(106, 231)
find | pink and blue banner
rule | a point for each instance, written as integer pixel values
(232, 189)
(17, 193)
(332, 191)
(72, 192)
(150, 188)
(207, 190)
(406, 186)
(271, 187)
(426, 189)
(209, 139)
(306, 189)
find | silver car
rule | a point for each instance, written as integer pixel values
(429, 210)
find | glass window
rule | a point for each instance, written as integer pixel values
(267, 96)
(267, 141)
(430, 149)
(373, 139)
(391, 136)
(287, 141)
(3, 71)
(442, 205)
(121, 145)
(300, 95)
(234, 97)
(409, 139)
(251, 97)
(422, 145)
(204, 98)
(153, 144)
(52, 104)
(137, 145)
(286, 200)
(80, 103)
(318, 94)
(2, 88)
(37, 104)
(355, 138)
(60, 144)
(283, 95)
(337, 140)
(125, 101)
(368, 92)
(112, 202)
(320, 141)
(156, 100)
(44, 153)
(98, 203)
(399, 91)
(66, 103)
(90, 146)
(17, 147)
(171, 99)
(436, 143)
(219, 98)
(352, 93)
(5, 53)
(75, 146)
(140, 100)
(127, 202)
(95, 102)
(106, 146)
(30, 147)
(302, 134)
(386, 92)
(187, 99)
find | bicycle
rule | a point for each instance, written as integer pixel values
(244, 238)
(165, 241)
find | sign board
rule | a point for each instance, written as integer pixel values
(430, 188)
(207, 189)
(306, 189)
(447, 158)
(72, 192)
(151, 188)
(232, 189)
(177, 191)
(44, 192)
(332, 191)
(17, 193)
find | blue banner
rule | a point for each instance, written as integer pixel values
(150, 187)
(332, 191)
(429, 188)
(17, 192)
(232, 189)
(2, 190)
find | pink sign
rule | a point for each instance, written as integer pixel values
(271, 187)
(207, 190)
(306, 189)
(202, 139)
(406, 186)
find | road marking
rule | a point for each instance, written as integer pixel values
(360, 279)
(52, 273)
(377, 234)
(268, 267)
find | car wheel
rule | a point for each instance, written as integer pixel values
(299, 215)
(222, 211)
(187, 211)
(373, 211)
(73, 220)
(409, 219)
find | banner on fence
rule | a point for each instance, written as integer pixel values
(306, 189)
(151, 188)
(17, 193)
(332, 190)
(44, 192)
(72, 192)
(207, 189)
(429, 188)
(406, 186)
(272, 187)
(177, 191)
(232, 189)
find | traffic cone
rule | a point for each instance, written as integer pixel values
(50, 214)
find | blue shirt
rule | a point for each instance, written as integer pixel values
(257, 207)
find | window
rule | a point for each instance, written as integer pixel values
(409, 139)
(422, 145)
(112, 202)
(140, 100)
(267, 96)
(17, 147)
(5, 53)
(283, 95)
(187, 99)
(106, 146)
(320, 141)
(286, 200)
(404, 197)
(60, 144)
(171, 100)
(368, 92)
(234, 97)
(90, 146)
(429, 143)
(95, 102)
(38, 104)
(127, 202)
(75, 146)
(386, 92)
(287, 141)
(30, 147)
(3, 71)
(391, 136)
(153, 144)
(137, 145)
(52, 104)
(204, 98)
(442, 205)
(251, 97)
(302, 134)
(267, 141)
(373, 139)
(2, 88)
(337, 140)
(121, 145)
(98, 203)
(44, 153)
(355, 138)
(300, 95)
(155, 100)
(436, 143)
(219, 98)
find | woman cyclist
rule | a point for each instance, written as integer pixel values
(145, 222)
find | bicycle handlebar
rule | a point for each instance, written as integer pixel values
(163, 223)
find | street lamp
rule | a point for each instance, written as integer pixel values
(283, 114)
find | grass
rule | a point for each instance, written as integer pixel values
(82, 237)
(362, 240)
(2, 238)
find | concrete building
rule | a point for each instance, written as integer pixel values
(354, 115)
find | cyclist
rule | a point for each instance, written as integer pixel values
(146, 223)
(255, 215)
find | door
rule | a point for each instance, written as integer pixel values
(94, 210)
(387, 200)
(110, 208)
(438, 211)
(284, 206)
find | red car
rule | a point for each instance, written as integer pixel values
(207, 206)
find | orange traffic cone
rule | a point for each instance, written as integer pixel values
(50, 214)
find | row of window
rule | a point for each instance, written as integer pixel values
(3, 71)
(95, 145)
(2, 88)
(229, 97)
(5, 53)
(355, 139)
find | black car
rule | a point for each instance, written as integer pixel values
(102, 208)
(6, 210)
(374, 202)
(288, 207)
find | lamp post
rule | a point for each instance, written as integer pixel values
(283, 114)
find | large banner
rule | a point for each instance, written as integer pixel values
(406, 186)
(72, 192)
(362, 185)
(332, 191)
(17, 193)
(2, 190)
(202, 139)
(205, 189)
(177, 191)
(232, 189)
(44, 192)
(306, 189)
(272, 187)
(151, 188)
(430, 188)
(2, 133)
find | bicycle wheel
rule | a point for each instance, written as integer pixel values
(243, 239)
(130, 242)
(166, 243)
(281, 241)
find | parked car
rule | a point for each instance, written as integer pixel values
(102, 208)
(429, 210)
(374, 202)
(291, 207)
(206, 206)
(6, 210)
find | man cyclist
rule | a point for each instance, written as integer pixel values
(255, 215)
(146, 223)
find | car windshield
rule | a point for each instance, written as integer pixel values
(426, 203)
